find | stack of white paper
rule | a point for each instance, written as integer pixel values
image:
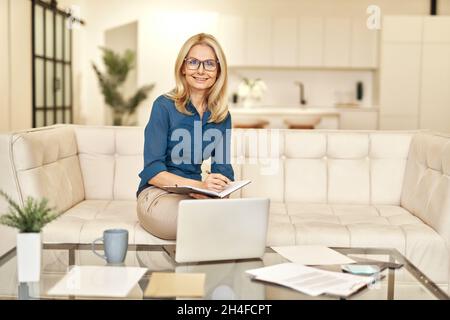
(311, 281)
(311, 255)
(97, 281)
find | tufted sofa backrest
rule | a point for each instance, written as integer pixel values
(70, 163)
(43, 163)
(352, 167)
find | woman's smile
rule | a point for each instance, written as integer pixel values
(200, 79)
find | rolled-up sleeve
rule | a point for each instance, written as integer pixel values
(222, 164)
(155, 144)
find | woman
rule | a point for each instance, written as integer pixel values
(182, 132)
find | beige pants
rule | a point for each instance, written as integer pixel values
(157, 212)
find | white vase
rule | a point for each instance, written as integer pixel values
(250, 102)
(29, 257)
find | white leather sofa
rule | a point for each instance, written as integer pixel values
(334, 188)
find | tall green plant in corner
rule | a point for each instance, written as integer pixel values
(111, 83)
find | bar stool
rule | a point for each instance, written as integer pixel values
(250, 124)
(306, 122)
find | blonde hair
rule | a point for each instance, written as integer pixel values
(217, 94)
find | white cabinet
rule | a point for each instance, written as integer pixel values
(258, 41)
(298, 42)
(364, 46)
(402, 29)
(359, 120)
(397, 122)
(284, 44)
(435, 88)
(436, 29)
(415, 73)
(310, 41)
(337, 42)
(400, 73)
(231, 35)
(400, 81)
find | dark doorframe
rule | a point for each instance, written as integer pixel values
(52, 98)
(433, 7)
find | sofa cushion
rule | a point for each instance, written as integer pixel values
(378, 226)
(86, 222)
(111, 159)
(264, 185)
(349, 180)
(306, 180)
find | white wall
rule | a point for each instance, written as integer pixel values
(15, 60)
(120, 39)
(4, 66)
(20, 63)
(443, 7)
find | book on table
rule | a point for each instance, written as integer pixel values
(232, 187)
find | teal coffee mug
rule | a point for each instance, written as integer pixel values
(115, 243)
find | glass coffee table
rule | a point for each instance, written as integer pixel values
(224, 280)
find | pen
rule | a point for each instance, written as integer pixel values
(209, 172)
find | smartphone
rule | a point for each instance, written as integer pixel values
(361, 269)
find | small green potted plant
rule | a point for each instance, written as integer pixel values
(29, 220)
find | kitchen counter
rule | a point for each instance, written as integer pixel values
(269, 110)
(331, 117)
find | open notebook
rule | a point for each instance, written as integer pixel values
(232, 187)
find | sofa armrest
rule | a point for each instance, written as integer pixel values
(8, 183)
(7, 239)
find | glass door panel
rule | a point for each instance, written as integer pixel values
(68, 118)
(59, 116)
(49, 34)
(59, 37)
(40, 121)
(67, 36)
(39, 30)
(59, 81)
(50, 118)
(50, 97)
(39, 83)
(67, 86)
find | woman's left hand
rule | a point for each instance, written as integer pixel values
(198, 196)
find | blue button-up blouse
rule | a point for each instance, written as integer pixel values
(178, 143)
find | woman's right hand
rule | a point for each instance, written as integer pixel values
(216, 182)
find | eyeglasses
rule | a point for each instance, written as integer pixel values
(208, 65)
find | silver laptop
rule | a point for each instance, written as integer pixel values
(221, 229)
